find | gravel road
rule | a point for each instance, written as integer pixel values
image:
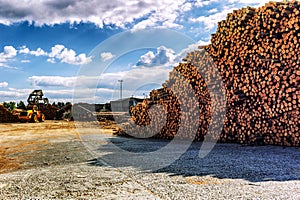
(230, 171)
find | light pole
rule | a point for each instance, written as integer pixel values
(121, 87)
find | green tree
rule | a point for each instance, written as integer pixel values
(21, 105)
(6, 105)
(60, 104)
(11, 105)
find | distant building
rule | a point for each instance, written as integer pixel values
(124, 105)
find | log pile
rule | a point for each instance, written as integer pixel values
(49, 111)
(256, 52)
(6, 115)
(171, 106)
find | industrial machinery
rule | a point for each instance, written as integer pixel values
(33, 112)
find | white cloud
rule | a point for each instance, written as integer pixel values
(68, 56)
(38, 52)
(51, 60)
(214, 10)
(56, 50)
(24, 50)
(60, 53)
(164, 15)
(186, 7)
(15, 94)
(151, 22)
(123, 14)
(163, 56)
(3, 84)
(100, 12)
(25, 61)
(8, 53)
(105, 56)
(211, 21)
(7, 66)
(257, 2)
(70, 82)
(190, 48)
(146, 59)
(202, 3)
(46, 81)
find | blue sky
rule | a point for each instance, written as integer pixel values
(48, 44)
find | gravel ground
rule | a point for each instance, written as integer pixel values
(230, 171)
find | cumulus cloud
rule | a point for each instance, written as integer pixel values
(46, 81)
(219, 12)
(186, 7)
(163, 56)
(8, 53)
(211, 21)
(123, 14)
(38, 52)
(119, 13)
(165, 15)
(68, 56)
(70, 82)
(3, 84)
(214, 10)
(12, 94)
(182, 54)
(58, 53)
(105, 56)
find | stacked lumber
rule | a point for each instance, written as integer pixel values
(256, 52)
(6, 115)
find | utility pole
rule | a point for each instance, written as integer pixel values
(121, 88)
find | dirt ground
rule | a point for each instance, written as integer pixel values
(29, 145)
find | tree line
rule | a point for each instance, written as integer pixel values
(21, 105)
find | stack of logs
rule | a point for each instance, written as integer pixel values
(49, 111)
(6, 115)
(256, 52)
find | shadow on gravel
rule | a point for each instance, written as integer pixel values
(233, 161)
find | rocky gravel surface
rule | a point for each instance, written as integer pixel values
(86, 181)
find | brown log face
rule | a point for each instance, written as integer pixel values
(257, 53)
